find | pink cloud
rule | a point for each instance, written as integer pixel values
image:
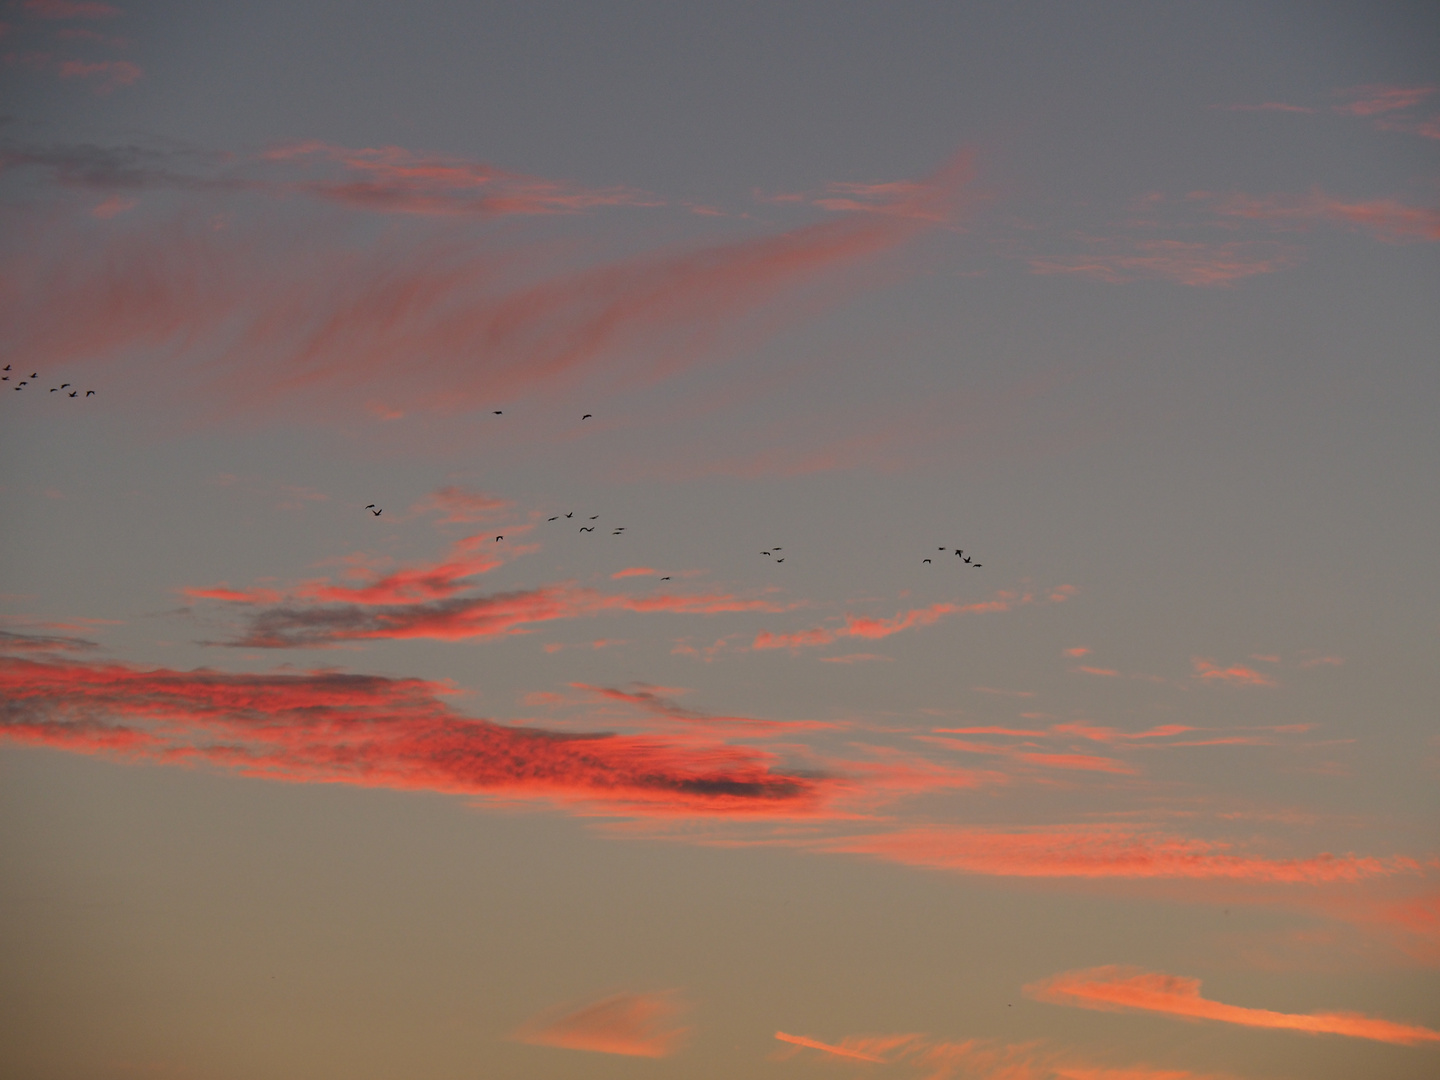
(1078, 650)
(1234, 675)
(1086, 851)
(1372, 100)
(329, 727)
(436, 325)
(632, 1025)
(396, 180)
(1109, 672)
(110, 73)
(457, 505)
(634, 571)
(1118, 989)
(112, 206)
(837, 1051)
(1185, 262)
(863, 626)
(1384, 219)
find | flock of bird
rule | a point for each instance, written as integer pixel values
(35, 375)
(377, 511)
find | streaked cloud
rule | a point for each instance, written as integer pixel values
(1116, 989)
(1234, 675)
(1186, 262)
(1373, 100)
(632, 1025)
(330, 727)
(1384, 219)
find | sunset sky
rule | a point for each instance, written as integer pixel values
(711, 540)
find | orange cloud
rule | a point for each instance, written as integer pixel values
(634, 571)
(1078, 650)
(1089, 851)
(838, 1051)
(863, 626)
(329, 727)
(1116, 989)
(1234, 675)
(633, 1025)
(456, 505)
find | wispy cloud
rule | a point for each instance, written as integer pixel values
(632, 1025)
(329, 727)
(1373, 100)
(43, 643)
(1102, 851)
(1184, 261)
(1234, 675)
(332, 325)
(1115, 989)
(1384, 219)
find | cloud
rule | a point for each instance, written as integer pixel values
(70, 9)
(976, 1059)
(440, 323)
(1078, 650)
(1372, 100)
(1384, 219)
(395, 180)
(1102, 851)
(633, 1025)
(42, 643)
(455, 504)
(329, 727)
(838, 1051)
(115, 204)
(1184, 262)
(1234, 675)
(634, 571)
(109, 73)
(1116, 989)
(864, 626)
(1265, 106)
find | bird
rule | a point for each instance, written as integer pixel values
(665, 579)
(63, 385)
(89, 392)
(595, 517)
(927, 560)
(499, 538)
(764, 553)
(377, 513)
(777, 547)
(499, 413)
(4, 378)
(74, 392)
(369, 506)
(939, 549)
(978, 565)
(570, 514)
(967, 558)
(6, 368)
(555, 518)
(587, 416)
(53, 389)
(587, 528)
(34, 374)
(779, 560)
(23, 382)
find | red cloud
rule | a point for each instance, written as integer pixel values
(70, 9)
(1371, 100)
(634, 571)
(1082, 851)
(334, 326)
(1385, 219)
(1234, 675)
(395, 180)
(455, 504)
(863, 626)
(634, 1025)
(1117, 989)
(838, 1051)
(327, 727)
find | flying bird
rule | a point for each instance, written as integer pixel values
(939, 549)
(977, 566)
(369, 506)
(764, 553)
(570, 514)
(779, 560)
(89, 392)
(74, 392)
(926, 560)
(587, 528)
(587, 416)
(499, 538)
(595, 518)
(664, 579)
(63, 385)
(53, 389)
(555, 518)
(6, 368)
(377, 513)
(499, 413)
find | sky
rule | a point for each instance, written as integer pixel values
(791, 540)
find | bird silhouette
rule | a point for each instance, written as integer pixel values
(54, 389)
(779, 560)
(664, 579)
(926, 560)
(967, 558)
(5, 368)
(377, 513)
(587, 416)
(764, 553)
(587, 528)
(777, 547)
(978, 565)
(74, 392)
(499, 538)
(595, 517)
(570, 514)
(369, 506)
(939, 549)
(89, 392)
(63, 385)
(499, 413)
(555, 518)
